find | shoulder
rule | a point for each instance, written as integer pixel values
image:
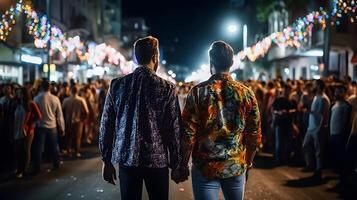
(352, 98)
(33, 104)
(36, 98)
(163, 84)
(65, 100)
(200, 86)
(55, 98)
(118, 82)
(243, 89)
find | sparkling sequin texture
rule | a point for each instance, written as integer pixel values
(140, 125)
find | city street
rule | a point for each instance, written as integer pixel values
(81, 179)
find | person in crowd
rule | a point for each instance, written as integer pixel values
(75, 112)
(268, 114)
(64, 92)
(23, 129)
(351, 147)
(35, 88)
(7, 110)
(283, 110)
(339, 128)
(103, 90)
(314, 141)
(95, 115)
(33, 114)
(305, 105)
(141, 130)
(181, 97)
(90, 121)
(51, 124)
(222, 123)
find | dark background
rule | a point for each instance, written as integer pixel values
(186, 28)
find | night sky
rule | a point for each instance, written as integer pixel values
(185, 28)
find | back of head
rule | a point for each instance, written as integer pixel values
(74, 90)
(320, 84)
(145, 49)
(45, 85)
(221, 56)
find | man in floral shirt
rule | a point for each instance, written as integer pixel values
(222, 123)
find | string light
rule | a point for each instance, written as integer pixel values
(300, 30)
(291, 36)
(8, 20)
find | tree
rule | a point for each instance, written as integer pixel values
(265, 7)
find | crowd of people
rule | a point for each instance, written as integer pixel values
(312, 121)
(47, 120)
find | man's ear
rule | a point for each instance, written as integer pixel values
(154, 58)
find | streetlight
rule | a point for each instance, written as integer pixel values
(231, 29)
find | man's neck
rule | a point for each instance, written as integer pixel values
(221, 73)
(149, 66)
(320, 93)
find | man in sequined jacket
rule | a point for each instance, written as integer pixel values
(141, 128)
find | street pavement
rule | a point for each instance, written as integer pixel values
(81, 179)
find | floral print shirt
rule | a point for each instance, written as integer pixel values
(222, 120)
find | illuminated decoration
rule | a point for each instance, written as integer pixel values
(98, 54)
(52, 68)
(8, 20)
(300, 30)
(291, 36)
(31, 59)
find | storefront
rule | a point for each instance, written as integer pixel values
(11, 69)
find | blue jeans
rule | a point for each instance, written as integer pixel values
(41, 134)
(314, 147)
(208, 189)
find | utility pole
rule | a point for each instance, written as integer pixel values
(48, 8)
(327, 41)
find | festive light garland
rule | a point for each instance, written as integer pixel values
(294, 35)
(291, 36)
(301, 29)
(39, 28)
(8, 20)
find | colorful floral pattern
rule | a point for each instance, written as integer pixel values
(222, 120)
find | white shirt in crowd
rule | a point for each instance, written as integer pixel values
(50, 107)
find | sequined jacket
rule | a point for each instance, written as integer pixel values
(141, 122)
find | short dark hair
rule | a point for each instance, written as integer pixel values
(74, 90)
(145, 49)
(221, 56)
(320, 84)
(45, 84)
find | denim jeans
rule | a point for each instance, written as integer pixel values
(208, 189)
(41, 134)
(313, 147)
